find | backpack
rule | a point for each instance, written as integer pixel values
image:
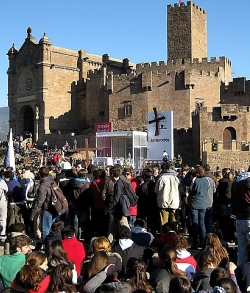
(128, 190)
(58, 200)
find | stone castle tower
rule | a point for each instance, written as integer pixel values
(186, 31)
(56, 90)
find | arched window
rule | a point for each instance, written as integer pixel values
(229, 134)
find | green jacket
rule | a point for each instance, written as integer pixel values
(10, 265)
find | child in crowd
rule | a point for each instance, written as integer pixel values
(166, 238)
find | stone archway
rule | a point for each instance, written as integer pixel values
(28, 120)
(229, 134)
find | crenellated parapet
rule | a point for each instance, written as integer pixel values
(185, 7)
(181, 131)
(185, 62)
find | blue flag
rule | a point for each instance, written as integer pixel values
(9, 160)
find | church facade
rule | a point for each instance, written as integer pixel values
(53, 90)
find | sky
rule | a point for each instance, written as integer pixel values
(133, 29)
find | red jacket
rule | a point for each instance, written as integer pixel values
(96, 188)
(134, 184)
(76, 251)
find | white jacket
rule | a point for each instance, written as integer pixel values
(167, 190)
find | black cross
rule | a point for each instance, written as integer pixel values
(156, 120)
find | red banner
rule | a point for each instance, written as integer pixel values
(103, 127)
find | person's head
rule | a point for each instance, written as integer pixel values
(129, 172)
(100, 244)
(180, 285)
(8, 175)
(135, 271)
(213, 244)
(140, 222)
(227, 284)
(207, 167)
(56, 251)
(91, 168)
(98, 173)
(20, 244)
(225, 172)
(61, 279)
(156, 171)
(168, 256)
(33, 271)
(217, 273)
(17, 227)
(168, 227)
(198, 171)
(115, 173)
(98, 262)
(57, 226)
(107, 168)
(68, 232)
(184, 170)
(119, 167)
(44, 171)
(82, 173)
(168, 253)
(206, 260)
(180, 243)
(123, 232)
(38, 259)
(147, 174)
(168, 165)
(104, 288)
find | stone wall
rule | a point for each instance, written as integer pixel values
(226, 159)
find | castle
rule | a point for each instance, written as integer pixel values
(53, 90)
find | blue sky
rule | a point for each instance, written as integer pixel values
(133, 29)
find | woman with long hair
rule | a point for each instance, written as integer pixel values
(205, 266)
(160, 279)
(98, 262)
(213, 244)
(57, 255)
(61, 280)
(33, 276)
(135, 278)
(102, 244)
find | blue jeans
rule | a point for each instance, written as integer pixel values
(225, 210)
(243, 235)
(198, 225)
(209, 220)
(46, 222)
(131, 221)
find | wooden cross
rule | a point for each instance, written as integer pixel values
(156, 121)
(86, 149)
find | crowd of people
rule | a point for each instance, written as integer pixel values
(188, 217)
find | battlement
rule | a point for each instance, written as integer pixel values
(181, 131)
(180, 62)
(183, 6)
(94, 73)
(124, 77)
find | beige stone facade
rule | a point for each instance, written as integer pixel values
(55, 92)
